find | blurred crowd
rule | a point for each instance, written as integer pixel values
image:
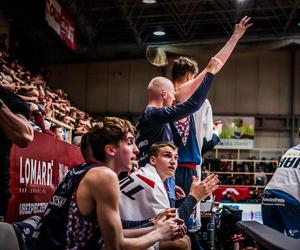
(251, 171)
(53, 112)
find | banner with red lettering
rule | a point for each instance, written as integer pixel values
(238, 193)
(35, 173)
(60, 21)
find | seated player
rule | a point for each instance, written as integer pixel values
(143, 193)
(84, 210)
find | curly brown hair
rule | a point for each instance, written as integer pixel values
(109, 132)
(183, 65)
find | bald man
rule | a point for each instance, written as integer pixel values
(156, 122)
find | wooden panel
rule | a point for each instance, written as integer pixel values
(75, 83)
(118, 94)
(272, 140)
(141, 72)
(224, 89)
(284, 83)
(97, 87)
(246, 84)
(268, 87)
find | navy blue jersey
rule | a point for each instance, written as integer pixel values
(154, 124)
(50, 233)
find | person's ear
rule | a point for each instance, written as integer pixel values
(110, 150)
(152, 160)
(164, 94)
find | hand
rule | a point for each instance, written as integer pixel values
(217, 122)
(200, 190)
(241, 27)
(214, 65)
(167, 213)
(218, 127)
(181, 232)
(179, 192)
(169, 229)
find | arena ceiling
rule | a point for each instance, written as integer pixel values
(110, 29)
(184, 21)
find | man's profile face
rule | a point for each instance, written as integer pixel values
(126, 153)
(165, 162)
(170, 95)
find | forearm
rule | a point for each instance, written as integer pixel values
(137, 232)
(186, 90)
(226, 51)
(28, 98)
(142, 242)
(209, 145)
(16, 128)
(186, 207)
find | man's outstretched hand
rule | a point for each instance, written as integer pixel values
(241, 27)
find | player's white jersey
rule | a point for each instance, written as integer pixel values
(287, 176)
(143, 195)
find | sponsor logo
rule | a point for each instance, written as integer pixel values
(58, 201)
(33, 171)
(32, 208)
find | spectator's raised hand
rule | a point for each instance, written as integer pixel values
(218, 126)
(241, 27)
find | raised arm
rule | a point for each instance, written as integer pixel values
(199, 191)
(106, 199)
(15, 126)
(188, 88)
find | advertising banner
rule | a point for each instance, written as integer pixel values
(238, 132)
(59, 20)
(35, 173)
(235, 193)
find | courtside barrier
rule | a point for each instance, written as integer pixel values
(35, 173)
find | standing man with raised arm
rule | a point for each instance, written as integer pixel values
(156, 122)
(14, 128)
(194, 128)
(154, 125)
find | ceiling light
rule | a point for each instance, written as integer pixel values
(159, 31)
(298, 24)
(149, 1)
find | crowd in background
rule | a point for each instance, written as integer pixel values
(251, 171)
(53, 112)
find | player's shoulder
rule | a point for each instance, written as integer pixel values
(100, 175)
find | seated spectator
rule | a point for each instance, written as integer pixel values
(228, 197)
(31, 96)
(58, 132)
(260, 177)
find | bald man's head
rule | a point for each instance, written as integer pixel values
(161, 87)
